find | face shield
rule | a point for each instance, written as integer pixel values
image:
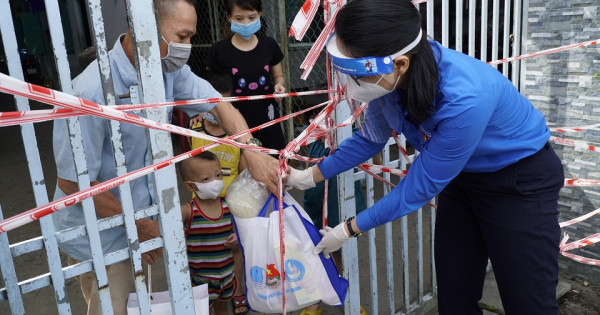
(359, 78)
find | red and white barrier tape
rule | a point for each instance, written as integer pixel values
(315, 50)
(578, 182)
(320, 131)
(401, 148)
(564, 247)
(21, 117)
(579, 219)
(592, 239)
(544, 52)
(303, 19)
(281, 172)
(371, 169)
(41, 211)
(574, 143)
(581, 259)
(384, 169)
(575, 129)
(57, 98)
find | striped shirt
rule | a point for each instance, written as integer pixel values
(205, 236)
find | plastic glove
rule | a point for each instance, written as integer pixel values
(333, 239)
(301, 180)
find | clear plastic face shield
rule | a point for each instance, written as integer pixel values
(359, 78)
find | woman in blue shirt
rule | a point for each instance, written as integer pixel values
(483, 150)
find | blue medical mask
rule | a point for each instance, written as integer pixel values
(246, 30)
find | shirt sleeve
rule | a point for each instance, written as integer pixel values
(94, 131)
(189, 86)
(277, 54)
(442, 158)
(351, 152)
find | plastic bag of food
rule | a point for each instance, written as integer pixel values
(246, 196)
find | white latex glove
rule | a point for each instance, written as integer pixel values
(333, 239)
(301, 180)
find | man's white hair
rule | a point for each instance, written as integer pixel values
(165, 7)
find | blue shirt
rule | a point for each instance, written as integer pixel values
(481, 123)
(179, 85)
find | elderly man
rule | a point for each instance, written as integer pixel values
(178, 24)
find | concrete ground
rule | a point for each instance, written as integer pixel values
(16, 196)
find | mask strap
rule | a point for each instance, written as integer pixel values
(396, 83)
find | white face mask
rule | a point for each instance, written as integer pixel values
(209, 190)
(366, 91)
(177, 56)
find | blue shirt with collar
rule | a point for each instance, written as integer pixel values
(179, 85)
(481, 123)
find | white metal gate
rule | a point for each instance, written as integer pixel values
(409, 284)
(150, 89)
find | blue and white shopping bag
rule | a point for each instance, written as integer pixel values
(309, 279)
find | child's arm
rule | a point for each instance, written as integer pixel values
(185, 215)
(278, 79)
(231, 240)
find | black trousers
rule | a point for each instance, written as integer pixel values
(510, 216)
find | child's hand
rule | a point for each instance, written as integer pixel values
(279, 88)
(196, 119)
(231, 241)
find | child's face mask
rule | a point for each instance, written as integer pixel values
(209, 190)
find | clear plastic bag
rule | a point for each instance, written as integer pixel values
(246, 196)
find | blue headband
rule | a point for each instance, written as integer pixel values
(364, 66)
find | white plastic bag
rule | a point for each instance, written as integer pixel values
(160, 302)
(246, 196)
(310, 278)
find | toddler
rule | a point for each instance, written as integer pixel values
(208, 229)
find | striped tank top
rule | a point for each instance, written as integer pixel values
(205, 236)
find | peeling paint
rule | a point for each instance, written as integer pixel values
(62, 298)
(144, 47)
(168, 199)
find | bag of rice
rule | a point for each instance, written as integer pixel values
(246, 196)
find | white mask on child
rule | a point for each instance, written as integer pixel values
(209, 190)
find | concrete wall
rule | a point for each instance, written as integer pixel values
(566, 88)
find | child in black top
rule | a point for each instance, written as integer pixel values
(255, 65)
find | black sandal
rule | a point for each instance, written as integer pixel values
(239, 301)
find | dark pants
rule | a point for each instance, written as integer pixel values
(510, 216)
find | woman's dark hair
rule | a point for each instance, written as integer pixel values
(243, 4)
(384, 27)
